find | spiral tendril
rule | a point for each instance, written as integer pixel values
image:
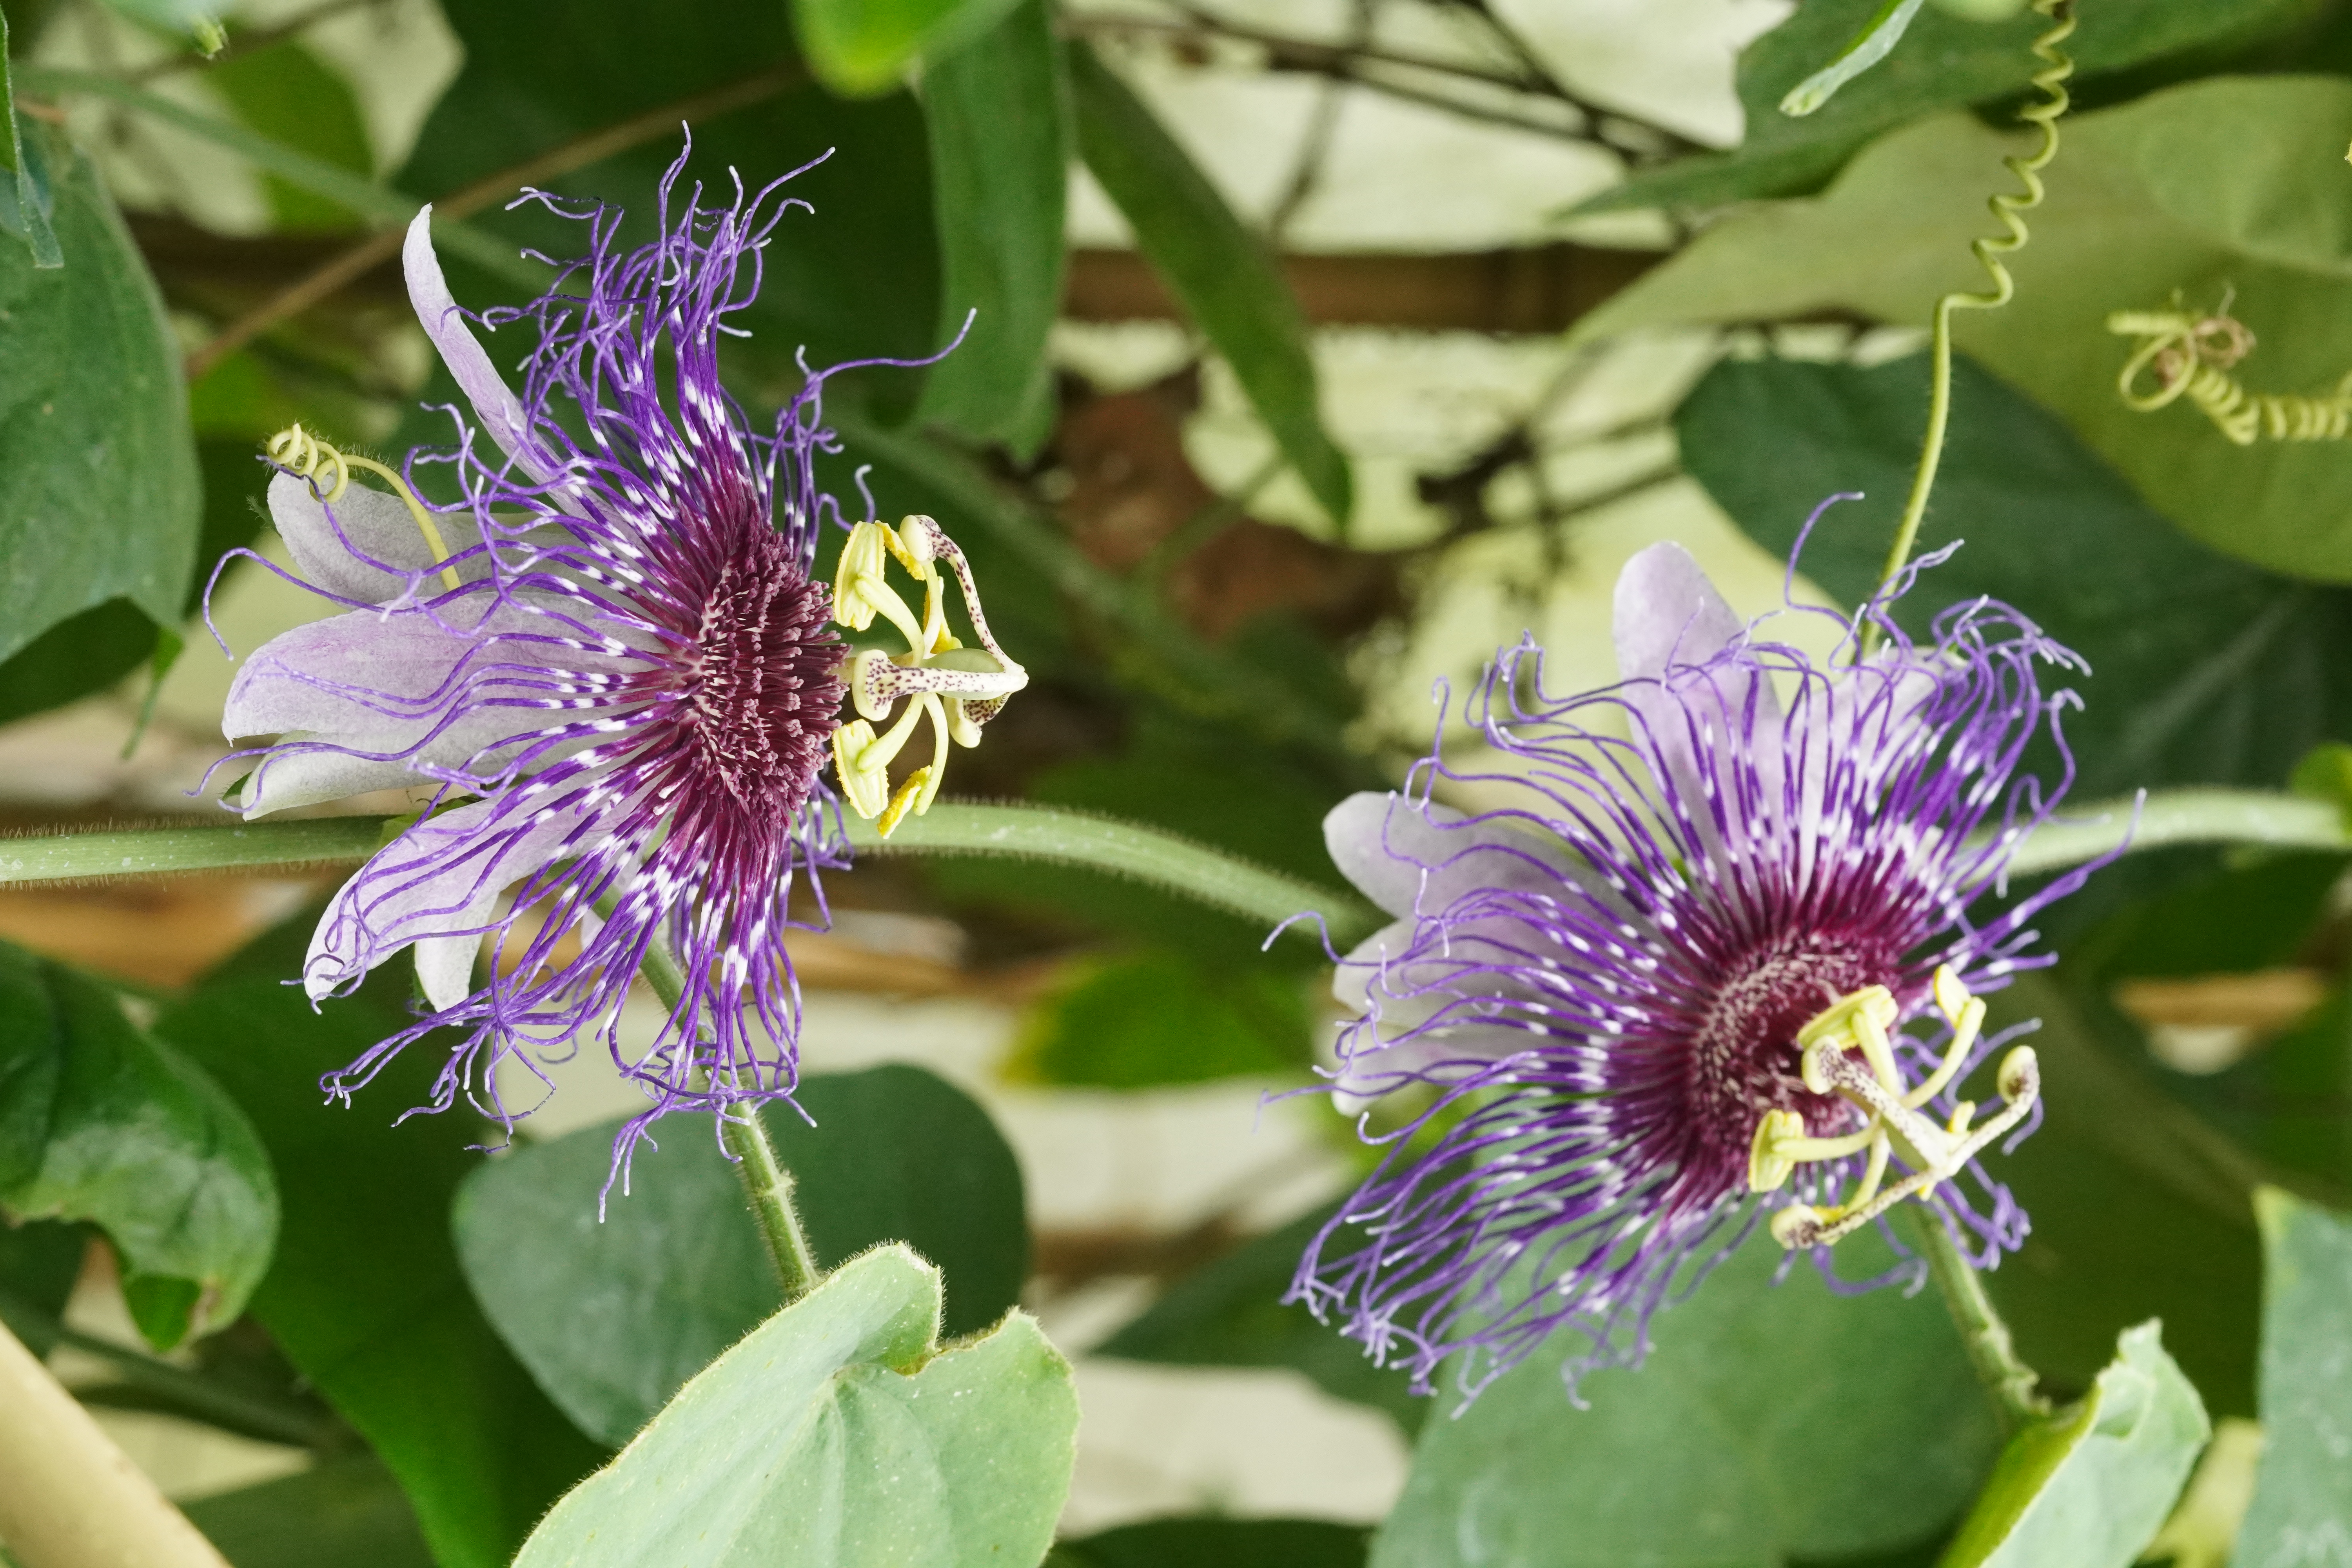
(306, 457)
(2008, 208)
(2187, 356)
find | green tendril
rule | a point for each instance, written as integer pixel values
(2007, 206)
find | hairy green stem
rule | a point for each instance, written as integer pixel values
(1127, 849)
(1992, 1353)
(766, 1183)
(1152, 855)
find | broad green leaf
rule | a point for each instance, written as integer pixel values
(1159, 1017)
(2139, 1209)
(613, 1317)
(2090, 1487)
(2204, 670)
(1946, 60)
(1230, 1313)
(101, 1121)
(1798, 1424)
(999, 116)
(856, 278)
(38, 1265)
(99, 496)
(2303, 1490)
(859, 47)
(1215, 1542)
(840, 1433)
(287, 92)
(2224, 187)
(366, 1295)
(24, 195)
(1221, 273)
(347, 1512)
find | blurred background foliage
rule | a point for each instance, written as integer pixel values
(1315, 349)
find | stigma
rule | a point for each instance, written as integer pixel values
(959, 689)
(1846, 1050)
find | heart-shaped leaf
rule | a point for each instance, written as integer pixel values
(838, 1435)
(2303, 1490)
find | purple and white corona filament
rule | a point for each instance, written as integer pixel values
(613, 666)
(1671, 970)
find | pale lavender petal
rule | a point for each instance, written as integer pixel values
(367, 547)
(289, 777)
(1406, 856)
(495, 403)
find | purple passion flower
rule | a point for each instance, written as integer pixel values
(612, 663)
(1671, 973)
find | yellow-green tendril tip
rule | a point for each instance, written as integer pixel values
(306, 457)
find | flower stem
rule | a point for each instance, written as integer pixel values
(766, 1183)
(1992, 1353)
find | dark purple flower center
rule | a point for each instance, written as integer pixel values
(761, 682)
(1743, 1049)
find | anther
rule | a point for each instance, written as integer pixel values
(1856, 1027)
(959, 689)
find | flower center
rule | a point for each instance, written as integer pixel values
(1744, 1058)
(763, 681)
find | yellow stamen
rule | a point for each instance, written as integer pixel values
(959, 689)
(1859, 1025)
(306, 457)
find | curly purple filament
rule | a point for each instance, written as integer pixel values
(1595, 991)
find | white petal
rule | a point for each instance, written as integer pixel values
(375, 526)
(445, 969)
(495, 403)
(1412, 858)
(299, 776)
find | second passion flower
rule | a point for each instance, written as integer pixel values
(1682, 966)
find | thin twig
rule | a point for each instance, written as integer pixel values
(553, 163)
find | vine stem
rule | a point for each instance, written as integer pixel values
(1984, 1334)
(1132, 849)
(1988, 251)
(766, 1183)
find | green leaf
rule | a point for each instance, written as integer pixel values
(80, 655)
(1946, 61)
(348, 1512)
(2302, 1489)
(2223, 187)
(613, 1317)
(861, 46)
(840, 1433)
(366, 1295)
(2091, 1486)
(1221, 272)
(24, 194)
(99, 495)
(999, 117)
(1868, 48)
(1798, 1422)
(99, 1121)
(288, 94)
(1230, 1313)
(1157, 1018)
(856, 278)
(2205, 671)
(1213, 1543)
(191, 19)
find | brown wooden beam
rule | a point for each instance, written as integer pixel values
(1536, 290)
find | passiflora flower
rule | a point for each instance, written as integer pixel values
(1714, 961)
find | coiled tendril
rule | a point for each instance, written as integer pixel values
(2007, 207)
(2189, 355)
(306, 457)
